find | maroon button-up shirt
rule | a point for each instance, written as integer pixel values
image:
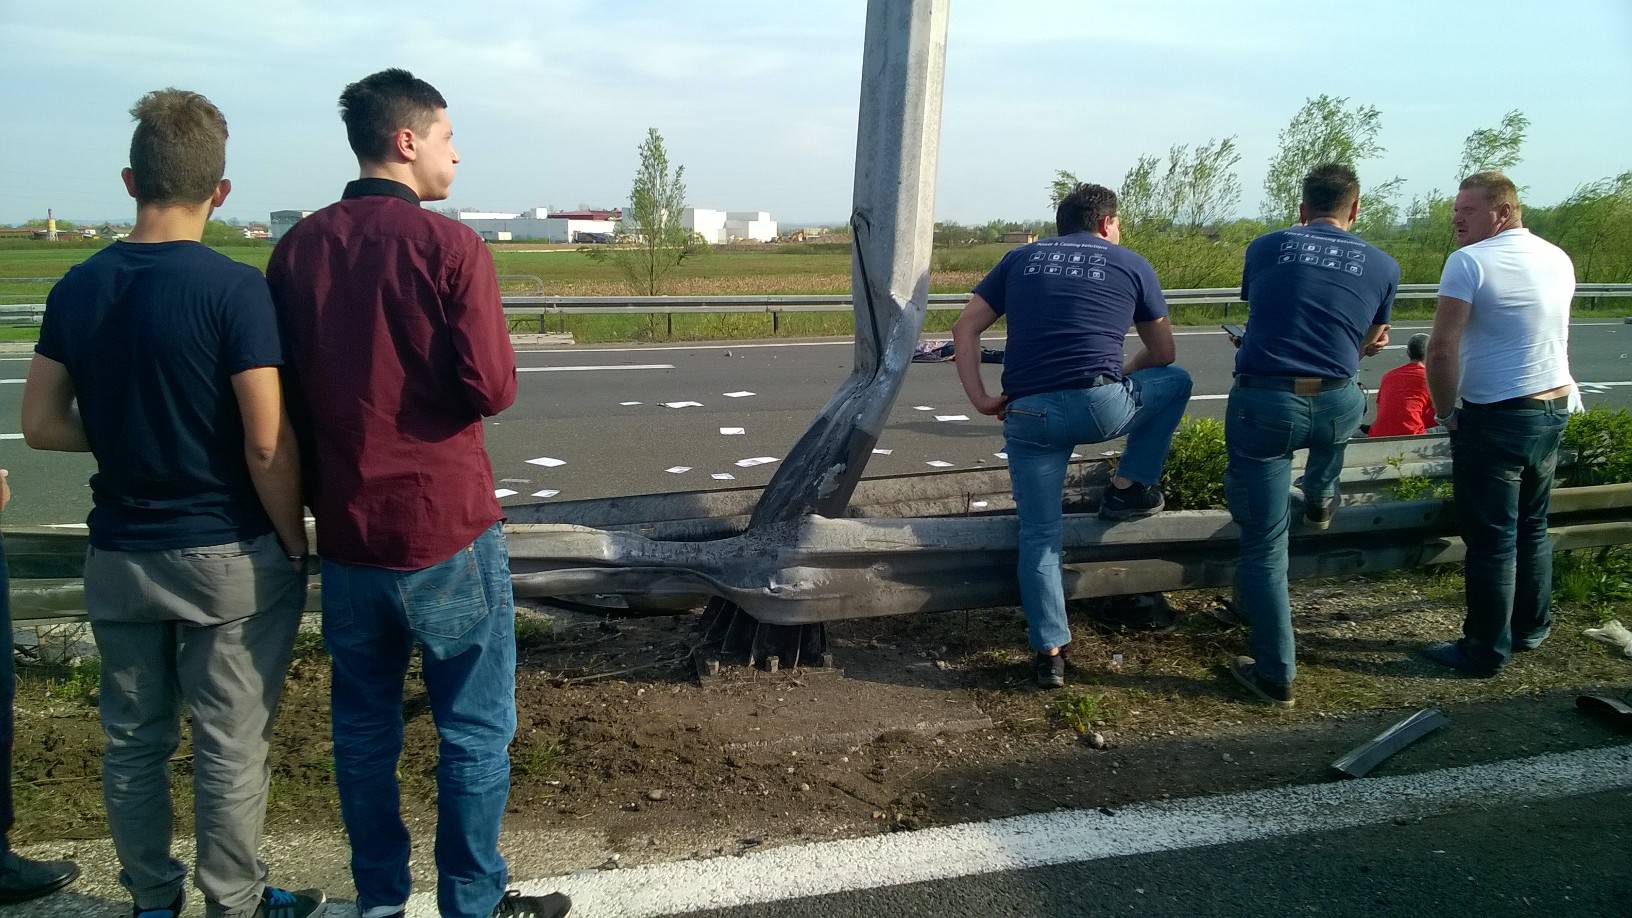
(397, 348)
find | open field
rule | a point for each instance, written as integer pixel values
(27, 272)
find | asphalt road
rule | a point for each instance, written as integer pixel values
(1569, 857)
(571, 408)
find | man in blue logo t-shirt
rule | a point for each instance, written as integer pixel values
(1319, 297)
(1069, 301)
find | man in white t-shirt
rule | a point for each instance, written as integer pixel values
(1500, 345)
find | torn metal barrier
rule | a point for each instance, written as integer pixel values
(1359, 761)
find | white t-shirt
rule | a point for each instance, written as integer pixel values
(1516, 342)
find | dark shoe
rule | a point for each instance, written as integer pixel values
(1228, 614)
(1135, 500)
(516, 905)
(1317, 514)
(285, 903)
(1245, 671)
(1450, 654)
(22, 879)
(173, 910)
(1051, 670)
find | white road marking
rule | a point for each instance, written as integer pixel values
(616, 366)
(11, 436)
(1025, 842)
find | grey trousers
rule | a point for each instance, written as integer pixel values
(213, 627)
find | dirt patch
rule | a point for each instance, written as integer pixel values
(932, 720)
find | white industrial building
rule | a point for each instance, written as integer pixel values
(722, 226)
(284, 220)
(539, 224)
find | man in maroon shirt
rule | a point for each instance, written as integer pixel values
(398, 348)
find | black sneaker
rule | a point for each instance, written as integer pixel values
(1051, 670)
(516, 905)
(286, 903)
(1245, 671)
(1132, 501)
(173, 910)
(1317, 514)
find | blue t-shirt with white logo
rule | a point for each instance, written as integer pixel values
(1069, 302)
(1313, 291)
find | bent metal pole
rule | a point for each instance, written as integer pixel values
(893, 222)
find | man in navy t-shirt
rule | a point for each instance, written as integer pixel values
(1319, 297)
(161, 357)
(1069, 302)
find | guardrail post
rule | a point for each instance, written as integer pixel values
(893, 222)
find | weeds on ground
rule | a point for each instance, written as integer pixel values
(1594, 579)
(533, 630)
(536, 756)
(1193, 478)
(1077, 710)
(1601, 439)
(1417, 487)
(81, 682)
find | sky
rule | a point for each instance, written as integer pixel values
(549, 100)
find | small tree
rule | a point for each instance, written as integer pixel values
(1325, 130)
(651, 240)
(1494, 148)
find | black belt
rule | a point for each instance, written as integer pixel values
(1300, 385)
(1521, 404)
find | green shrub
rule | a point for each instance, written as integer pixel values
(1601, 440)
(1418, 487)
(1194, 476)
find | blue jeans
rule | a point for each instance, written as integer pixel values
(1040, 432)
(1502, 465)
(462, 615)
(8, 694)
(1262, 428)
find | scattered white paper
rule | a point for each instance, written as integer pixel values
(678, 469)
(627, 404)
(504, 492)
(939, 463)
(732, 431)
(978, 505)
(743, 394)
(951, 417)
(547, 492)
(514, 481)
(1109, 452)
(1076, 455)
(682, 404)
(882, 452)
(547, 461)
(723, 476)
(1001, 455)
(923, 408)
(757, 460)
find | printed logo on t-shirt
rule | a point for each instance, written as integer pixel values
(1033, 269)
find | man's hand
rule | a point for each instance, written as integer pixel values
(5, 488)
(1375, 345)
(995, 405)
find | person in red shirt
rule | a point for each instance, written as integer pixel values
(1404, 407)
(398, 348)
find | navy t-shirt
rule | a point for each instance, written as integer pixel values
(1312, 291)
(1069, 302)
(151, 334)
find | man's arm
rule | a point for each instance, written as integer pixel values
(1375, 340)
(50, 416)
(1156, 336)
(977, 316)
(481, 336)
(1444, 355)
(272, 455)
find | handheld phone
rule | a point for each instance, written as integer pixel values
(1234, 331)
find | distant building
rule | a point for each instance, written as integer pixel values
(540, 225)
(257, 231)
(1021, 237)
(284, 220)
(723, 226)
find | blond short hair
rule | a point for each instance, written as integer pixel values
(1498, 188)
